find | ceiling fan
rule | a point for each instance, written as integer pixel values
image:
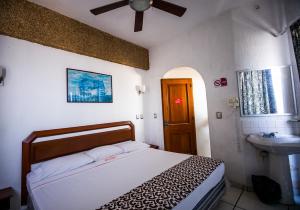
(139, 6)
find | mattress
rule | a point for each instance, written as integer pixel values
(98, 183)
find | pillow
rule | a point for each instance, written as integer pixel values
(130, 146)
(103, 152)
(59, 165)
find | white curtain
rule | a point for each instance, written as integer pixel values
(257, 92)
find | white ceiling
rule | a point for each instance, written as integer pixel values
(158, 26)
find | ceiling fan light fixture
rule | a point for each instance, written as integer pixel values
(140, 5)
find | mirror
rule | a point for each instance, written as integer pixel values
(267, 92)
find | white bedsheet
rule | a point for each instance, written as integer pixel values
(98, 183)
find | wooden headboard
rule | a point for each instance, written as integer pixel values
(45, 150)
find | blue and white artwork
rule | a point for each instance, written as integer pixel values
(88, 87)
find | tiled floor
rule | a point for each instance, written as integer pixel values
(238, 199)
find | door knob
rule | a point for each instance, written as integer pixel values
(166, 123)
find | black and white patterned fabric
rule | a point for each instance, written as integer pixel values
(166, 190)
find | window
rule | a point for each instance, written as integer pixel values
(295, 31)
(264, 92)
(257, 92)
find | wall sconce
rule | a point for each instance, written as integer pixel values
(2, 75)
(233, 102)
(141, 89)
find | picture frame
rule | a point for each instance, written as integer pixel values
(88, 87)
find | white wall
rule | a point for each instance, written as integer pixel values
(217, 49)
(200, 107)
(292, 10)
(208, 49)
(34, 98)
(257, 49)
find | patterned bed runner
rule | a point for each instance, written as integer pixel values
(169, 188)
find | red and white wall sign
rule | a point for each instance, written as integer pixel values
(222, 82)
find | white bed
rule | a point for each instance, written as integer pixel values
(95, 184)
(75, 168)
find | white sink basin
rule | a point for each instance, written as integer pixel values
(281, 144)
(279, 149)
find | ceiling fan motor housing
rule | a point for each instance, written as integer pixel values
(140, 5)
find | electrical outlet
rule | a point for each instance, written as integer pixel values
(219, 115)
(141, 116)
(137, 117)
(154, 115)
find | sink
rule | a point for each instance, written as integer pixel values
(279, 149)
(281, 144)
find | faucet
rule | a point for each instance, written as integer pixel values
(270, 135)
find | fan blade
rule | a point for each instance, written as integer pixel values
(169, 7)
(139, 18)
(109, 7)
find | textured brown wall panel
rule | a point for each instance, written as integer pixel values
(28, 21)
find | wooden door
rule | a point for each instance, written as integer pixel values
(178, 116)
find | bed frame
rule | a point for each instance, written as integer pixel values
(57, 147)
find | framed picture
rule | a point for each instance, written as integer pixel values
(88, 87)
